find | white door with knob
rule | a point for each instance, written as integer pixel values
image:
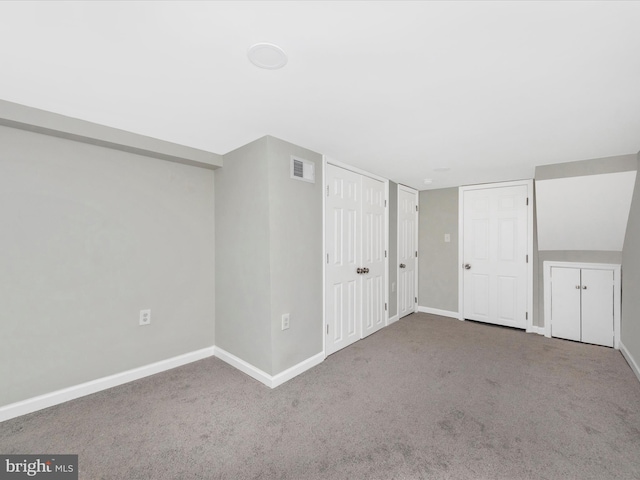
(356, 263)
(407, 250)
(496, 249)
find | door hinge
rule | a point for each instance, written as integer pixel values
(527, 200)
(415, 299)
(327, 258)
(385, 203)
(527, 258)
(327, 329)
(416, 254)
(385, 307)
(416, 208)
(327, 190)
(385, 254)
(526, 316)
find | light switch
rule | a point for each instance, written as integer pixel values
(447, 237)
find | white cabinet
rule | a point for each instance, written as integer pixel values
(582, 302)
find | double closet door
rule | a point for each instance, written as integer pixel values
(355, 242)
(582, 303)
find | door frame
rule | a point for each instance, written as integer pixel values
(516, 183)
(415, 281)
(325, 161)
(617, 292)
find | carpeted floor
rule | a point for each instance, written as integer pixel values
(426, 398)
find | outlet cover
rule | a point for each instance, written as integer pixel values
(145, 317)
(285, 321)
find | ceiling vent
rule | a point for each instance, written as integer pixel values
(303, 170)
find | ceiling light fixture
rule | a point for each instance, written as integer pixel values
(267, 55)
(441, 169)
(428, 181)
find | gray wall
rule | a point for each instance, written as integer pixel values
(630, 331)
(243, 306)
(269, 251)
(438, 261)
(393, 249)
(295, 239)
(90, 236)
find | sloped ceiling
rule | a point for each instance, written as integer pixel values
(402, 89)
(584, 213)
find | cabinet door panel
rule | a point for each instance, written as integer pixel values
(597, 307)
(565, 303)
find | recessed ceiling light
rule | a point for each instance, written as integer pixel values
(428, 181)
(441, 169)
(267, 55)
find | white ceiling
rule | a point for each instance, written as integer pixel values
(487, 89)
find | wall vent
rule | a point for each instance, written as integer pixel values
(303, 170)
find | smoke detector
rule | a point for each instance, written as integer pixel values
(267, 55)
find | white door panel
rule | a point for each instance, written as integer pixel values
(373, 259)
(597, 307)
(407, 248)
(342, 230)
(495, 227)
(565, 306)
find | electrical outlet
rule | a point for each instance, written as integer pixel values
(447, 237)
(145, 317)
(285, 321)
(393, 286)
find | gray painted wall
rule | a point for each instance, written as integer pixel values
(295, 239)
(243, 293)
(90, 236)
(438, 261)
(393, 249)
(269, 251)
(630, 328)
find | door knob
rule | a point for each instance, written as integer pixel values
(577, 287)
(366, 270)
(467, 266)
(359, 271)
(584, 288)
(402, 265)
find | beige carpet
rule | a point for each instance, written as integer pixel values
(426, 398)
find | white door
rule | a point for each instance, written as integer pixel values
(407, 250)
(355, 242)
(373, 255)
(495, 246)
(597, 307)
(342, 230)
(565, 306)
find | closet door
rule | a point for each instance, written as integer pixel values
(343, 245)
(372, 255)
(597, 307)
(565, 303)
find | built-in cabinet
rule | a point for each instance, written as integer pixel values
(582, 302)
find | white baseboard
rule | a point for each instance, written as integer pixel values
(393, 319)
(270, 381)
(60, 396)
(630, 360)
(538, 330)
(437, 311)
(296, 370)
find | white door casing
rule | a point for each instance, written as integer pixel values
(356, 235)
(496, 245)
(407, 262)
